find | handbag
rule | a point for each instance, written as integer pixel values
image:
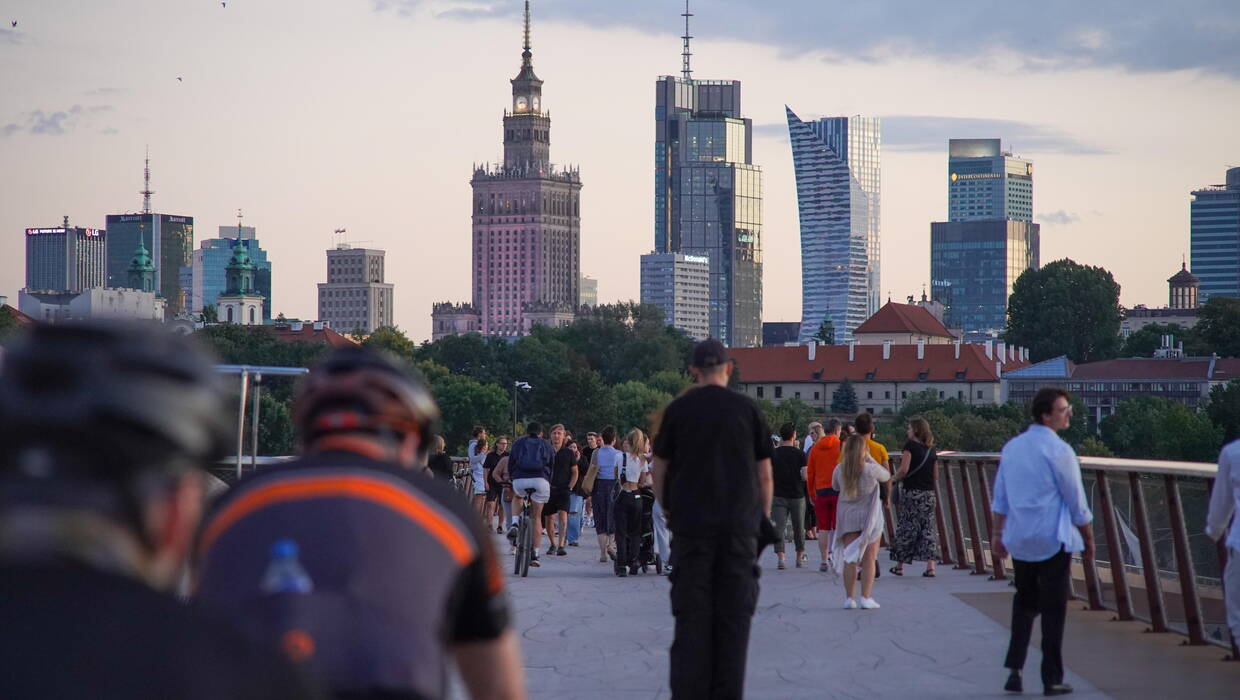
(587, 484)
(897, 491)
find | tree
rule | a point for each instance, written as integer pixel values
(9, 326)
(465, 403)
(946, 434)
(1093, 447)
(844, 398)
(1218, 323)
(1144, 341)
(978, 434)
(636, 405)
(210, 314)
(392, 339)
(670, 382)
(1065, 308)
(578, 398)
(276, 434)
(1223, 408)
(826, 332)
(1152, 427)
(794, 411)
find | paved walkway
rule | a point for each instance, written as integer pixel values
(587, 634)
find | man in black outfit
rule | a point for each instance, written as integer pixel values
(102, 429)
(712, 475)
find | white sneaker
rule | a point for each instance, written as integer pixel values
(869, 604)
(850, 604)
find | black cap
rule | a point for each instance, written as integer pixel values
(710, 353)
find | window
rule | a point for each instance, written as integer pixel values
(886, 394)
(979, 393)
(798, 394)
(869, 394)
(904, 394)
(940, 394)
(779, 392)
(870, 411)
(960, 394)
(815, 395)
(869, 376)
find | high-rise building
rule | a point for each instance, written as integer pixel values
(708, 195)
(355, 297)
(589, 291)
(211, 260)
(985, 182)
(168, 237)
(526, 217)
(1215, 237)
(974, 265)
(65, 258)
(680, 285)
(836, 160)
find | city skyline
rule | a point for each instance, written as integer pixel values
(315, 130)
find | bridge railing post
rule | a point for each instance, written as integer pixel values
(1115, 548)
(944, 539)
(1184, 564)
(954, 510)
(997, 567)
(975, 539)
(1149, 561)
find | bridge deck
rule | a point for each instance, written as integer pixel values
(586, 633)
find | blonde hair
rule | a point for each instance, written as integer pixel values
(636, 442)
(856, 449)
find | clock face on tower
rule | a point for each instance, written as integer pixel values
(522, 104)
(535, 105)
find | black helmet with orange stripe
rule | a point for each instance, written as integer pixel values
(359, 390)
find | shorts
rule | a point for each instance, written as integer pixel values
(542, 489)
(558, 501)
(480, 484)
(824, 510)
(494, 491)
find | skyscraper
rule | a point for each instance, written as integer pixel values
(168, 237)
(836, 160)
(526, 217)
(355, 296)
(680, 285)
(211, 260)
(985, 182)
(65, 258)
(708, 195)
(1215, 237)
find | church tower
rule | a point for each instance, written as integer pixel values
(527, 129)
(240, 303)
(141, 270)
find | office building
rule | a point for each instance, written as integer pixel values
(211, 259)
(1215, 237)
(680, 285)
(985, 182)
(355, 297)
(65, 258)
(526, 217)
(589, 291)
(836, 160)
(454, 319)
(780, 333)
(137, 299)
(974, 265)
(708, 195)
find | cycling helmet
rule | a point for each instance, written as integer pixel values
(362, 390)
(108, 400)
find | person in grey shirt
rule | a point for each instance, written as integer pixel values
(1041, 516)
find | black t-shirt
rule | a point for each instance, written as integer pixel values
(440, 465)
(488, 466)
(71, 631)
(923, 478)
(786, 465)
(713, 438)
(562, 468)
(583, 466)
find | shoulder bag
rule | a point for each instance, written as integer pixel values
(897, 491)
(587, 483)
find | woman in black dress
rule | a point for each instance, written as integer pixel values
(915, 529)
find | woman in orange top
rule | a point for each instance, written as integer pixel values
(823, 457)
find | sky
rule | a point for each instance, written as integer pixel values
(368, 115)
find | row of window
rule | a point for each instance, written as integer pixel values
(779, 393)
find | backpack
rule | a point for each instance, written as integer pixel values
(529, 456)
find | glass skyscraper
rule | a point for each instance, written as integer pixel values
(836, 160)
(984, 182)
(1215, 237)
(211, 260)
(708, 197)
(169, 238)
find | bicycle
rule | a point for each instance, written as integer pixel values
(525, 537)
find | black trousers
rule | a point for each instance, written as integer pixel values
(1042, 587)
(627, 516)
(714, 595)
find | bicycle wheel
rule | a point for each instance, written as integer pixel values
(526, 548)
(516, 559)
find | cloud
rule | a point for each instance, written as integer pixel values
(105, 91)
(913, 133)
(1134, 35)
(1057, 218)
(55, 123)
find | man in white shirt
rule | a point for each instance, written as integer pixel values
(1041, 517)
(1224, 502)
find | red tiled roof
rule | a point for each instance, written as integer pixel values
(21, 318)
(904, 318)
(792, 364)
(308, 334)
(1159, 368)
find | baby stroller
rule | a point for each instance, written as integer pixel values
(646, 556)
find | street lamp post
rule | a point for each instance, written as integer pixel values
(523, 386)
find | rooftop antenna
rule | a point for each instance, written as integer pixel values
(686, 54)
(238, 224)
(526, 53)
(146, 184)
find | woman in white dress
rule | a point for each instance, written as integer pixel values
(858, 520)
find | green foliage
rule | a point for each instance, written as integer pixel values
(826, 332)
(1065, 308)
(1144, 341)
(1218, 323)
(1223, 408)
(670, 382)
(465, 403)
(1091, 446)
(391, 339)
(928, 399)
(844, 398)
(210, 314)
(1152, 427)
(947, 435)
(793, 411)
(636, 404)
(276, 434)
(578, 398)
(9, 326)
(234, 344)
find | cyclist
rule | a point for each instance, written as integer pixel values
(391, 574)
(529, 464)
(103, 428)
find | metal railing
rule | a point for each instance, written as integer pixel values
(252, 376)
(1141, 547)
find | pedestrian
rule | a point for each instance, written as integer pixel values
(439, 462)
(916, 538)
(479, 436)
(608, 459)
(858, 520)
(789, 500)
(864, 425)
(564, 477)
(477, 473)
(374, 579)
(814, 432)
(712, 473)
(505, 480)
(530, 468)
(102, 493)
(1041, 516)
(577, 497)
(823, 459)
(1224, 502)
(627, 509)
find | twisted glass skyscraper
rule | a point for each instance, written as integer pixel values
(836, 160)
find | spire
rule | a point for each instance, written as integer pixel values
(686, 54)
(146, 184)
(526, 55)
